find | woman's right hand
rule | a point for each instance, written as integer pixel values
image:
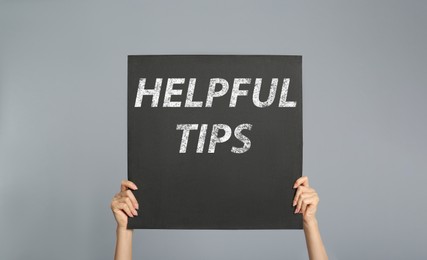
(124, 204)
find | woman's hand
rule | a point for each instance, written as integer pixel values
(305, 200)
(124, 204)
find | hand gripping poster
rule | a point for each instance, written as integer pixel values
(215, 141)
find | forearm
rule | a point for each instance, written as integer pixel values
(315, 247)
(123, 244)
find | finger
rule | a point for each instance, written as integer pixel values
(132, 198)
(115, 201)
(305, 203)
(117, 205)
(125, 184)
(130, 205)
(299, 202)
(124, 207)
(113, 204)
(301, 181)
(315, 200)
(117, 195)
(300, 191)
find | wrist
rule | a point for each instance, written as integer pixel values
(310, 222)
(123, 230)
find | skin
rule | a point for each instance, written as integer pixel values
(125, 205)
(305, 203)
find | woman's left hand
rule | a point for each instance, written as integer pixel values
(305, 200)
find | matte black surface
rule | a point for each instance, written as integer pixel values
(220, 190)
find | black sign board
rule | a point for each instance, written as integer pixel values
(215, 141)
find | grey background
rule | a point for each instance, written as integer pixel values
(63, 121)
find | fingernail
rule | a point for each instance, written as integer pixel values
(137, 206)
(295, 212)
(136, 213)
(294, 203)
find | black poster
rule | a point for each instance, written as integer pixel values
(215, 141)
